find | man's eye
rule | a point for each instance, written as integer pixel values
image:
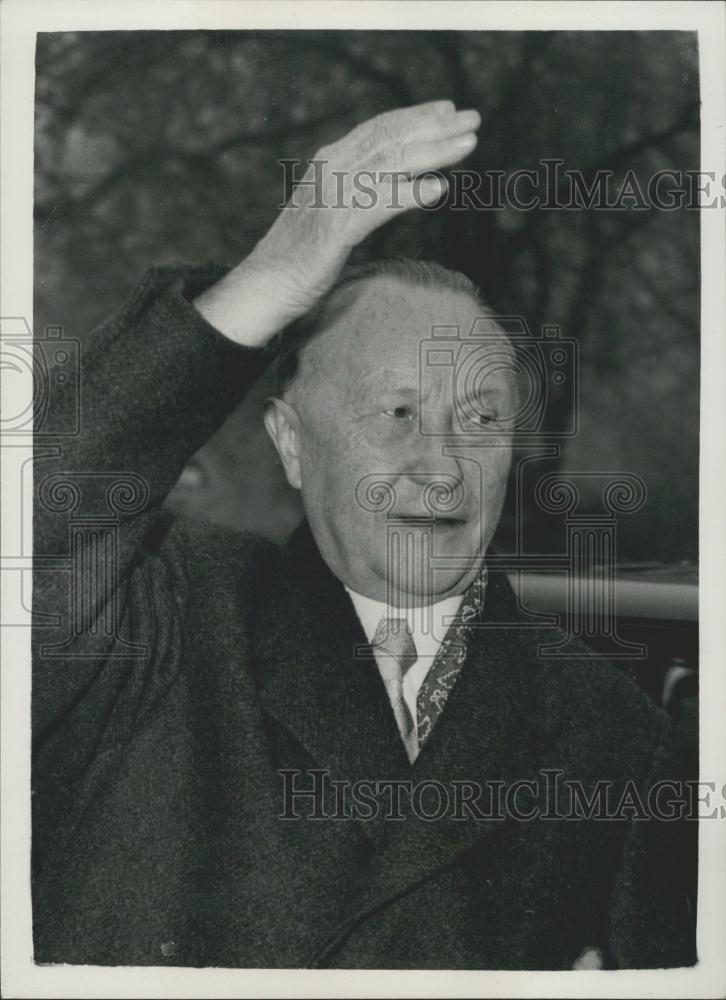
(484, 418)
(399, 412)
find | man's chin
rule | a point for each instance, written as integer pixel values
(417, 590)
(416, 566)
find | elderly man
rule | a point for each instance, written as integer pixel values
(244, 757)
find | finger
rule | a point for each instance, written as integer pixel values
(416, 157)
(424, 192)
(401, 127)
(446, 127)
(395, 198)
(431, 147)
(417, 113)
(418, 193)
(442, 107)
(435, 120)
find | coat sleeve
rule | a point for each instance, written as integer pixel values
(109, 574)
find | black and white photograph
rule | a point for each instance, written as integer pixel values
(356, 403)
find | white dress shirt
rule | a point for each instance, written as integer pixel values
(428, 627)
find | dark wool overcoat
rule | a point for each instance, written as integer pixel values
(179, 669)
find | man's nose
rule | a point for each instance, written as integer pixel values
(432, 451)
(436, 493)
(440, 419)
(428, 465)
(428, 452)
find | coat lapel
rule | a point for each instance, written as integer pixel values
(315, 673)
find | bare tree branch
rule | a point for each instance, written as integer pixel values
(195, 160)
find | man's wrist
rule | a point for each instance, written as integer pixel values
(245, 306)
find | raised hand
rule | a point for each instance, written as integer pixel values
(351, 188)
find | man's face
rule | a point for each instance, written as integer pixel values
(377, 430)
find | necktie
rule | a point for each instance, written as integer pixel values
(446, 668)
(395, 652)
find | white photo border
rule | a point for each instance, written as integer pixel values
(20, 21)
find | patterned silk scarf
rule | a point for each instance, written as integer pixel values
(441, 678)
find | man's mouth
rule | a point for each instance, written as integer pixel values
(439, 520)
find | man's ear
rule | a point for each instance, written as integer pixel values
(283, 426)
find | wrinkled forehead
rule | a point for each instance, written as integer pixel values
(385, 323)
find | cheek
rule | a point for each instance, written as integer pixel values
(494, 473)
(333, 467)
(497, 470)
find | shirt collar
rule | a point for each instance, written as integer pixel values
(428, 624)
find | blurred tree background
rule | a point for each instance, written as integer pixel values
(162, 147)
